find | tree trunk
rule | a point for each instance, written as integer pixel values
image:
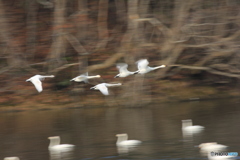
(102, 24)
(31, 28)
(121, 12)
(58, 47)
(15, 59)
(82, 20)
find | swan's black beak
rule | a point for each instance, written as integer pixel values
(116, 76)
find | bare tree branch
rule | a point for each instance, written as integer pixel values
(76, 44)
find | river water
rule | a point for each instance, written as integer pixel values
(93, 131)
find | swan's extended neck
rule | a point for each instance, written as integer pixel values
(97, 76)
(11, 158)
(51, 76)
(122, 137)
(54, 141)
(186, 123)
(111, 85)
(153, 68)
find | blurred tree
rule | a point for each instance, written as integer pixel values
(58, 47)
(196, 37)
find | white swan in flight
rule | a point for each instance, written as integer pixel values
(122, 140)
(144, 68)
(84, 78)
(123, 71)
(189, 129)
(205, 148)
(103, 87)
(11, 158)
(56, 146)
(36, 81)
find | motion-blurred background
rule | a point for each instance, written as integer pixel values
(197, 40)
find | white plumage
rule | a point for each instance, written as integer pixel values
(36, 81)
(205, 148)
(123, 71)
(189, 129)
(103, 87)
(56, 146)
(11, 158)
(84, 78)
(144, 68)
(122, 140)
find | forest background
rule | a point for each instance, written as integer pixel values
(198, 40)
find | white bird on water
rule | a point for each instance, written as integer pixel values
(205, 148)
(189, 129)
(123, 71)
(103, 87)
(84, 78)
(36, 81)
(56, 146)
(144, 68)
(122, 140)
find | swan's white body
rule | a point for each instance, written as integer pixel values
(103, 87)
(123, 71)
(36, 81)
(144, 68)
(123, 141)
(56, 146)
(84, 78)
(11, 158)
(188, 128)
(205, 148)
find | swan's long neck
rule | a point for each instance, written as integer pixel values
(110, 85)
(97, 76)
(11, 158)
(154, 68)
(51, 76)
(186, 124)
(54, 142)
(122, 138)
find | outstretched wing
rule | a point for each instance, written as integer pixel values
(122, 67)
(37, 83)
(142, 64)
(103, 89)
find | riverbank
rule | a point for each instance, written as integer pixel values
(25, 97)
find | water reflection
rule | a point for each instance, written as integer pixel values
(188, 130)
(24, 134)
(125, 149)
(59, 151)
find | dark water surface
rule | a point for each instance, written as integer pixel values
(24, 134)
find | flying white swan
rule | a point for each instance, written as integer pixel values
(122, 140)
(56, 146)
(144, 68)
(36, 81)
(103, 87)
(11, 158)
(123, 71)
(189, 129)
(205, 148)
(84, 78)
